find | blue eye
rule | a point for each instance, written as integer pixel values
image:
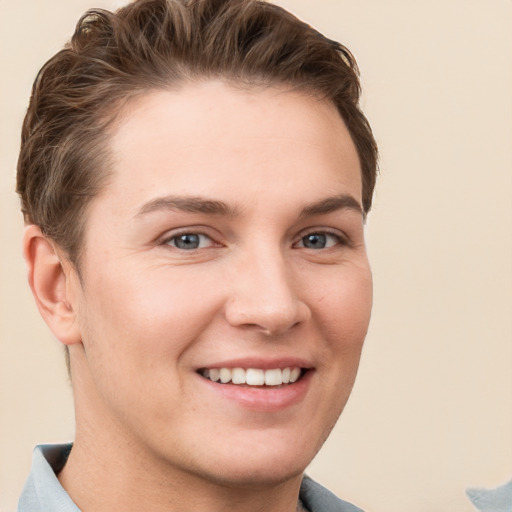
(319, 241)
(189, 241)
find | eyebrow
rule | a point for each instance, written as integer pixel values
(189, 205)
(332, 204)
(195, 204)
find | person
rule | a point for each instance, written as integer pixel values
(194, 177)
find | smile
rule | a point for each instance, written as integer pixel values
(253, 376)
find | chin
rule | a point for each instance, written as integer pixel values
(262, 466)
(242, 476)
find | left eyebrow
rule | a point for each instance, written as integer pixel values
(332, 204)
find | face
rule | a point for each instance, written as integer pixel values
(226, 291)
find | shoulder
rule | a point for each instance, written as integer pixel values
(317, 498)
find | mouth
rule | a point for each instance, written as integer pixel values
(254, 377)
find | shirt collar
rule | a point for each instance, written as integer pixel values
(42, 491)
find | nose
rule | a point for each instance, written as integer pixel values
(263, 297)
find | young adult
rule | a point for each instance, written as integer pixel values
(194, 178)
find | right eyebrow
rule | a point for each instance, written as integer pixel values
(189, 204)
(332, 204)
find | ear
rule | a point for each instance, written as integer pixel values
(53, 282)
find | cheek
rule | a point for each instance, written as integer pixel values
(139, 314)
(345, 307)
(137, 328)
(343, 314)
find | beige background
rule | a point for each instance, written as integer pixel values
(431, 413)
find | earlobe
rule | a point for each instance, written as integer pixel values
(51, 284)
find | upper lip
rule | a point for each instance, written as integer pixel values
(261, 363)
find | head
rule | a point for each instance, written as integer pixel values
(159, 45)
(199, 173)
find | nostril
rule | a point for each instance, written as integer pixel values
(266, 319)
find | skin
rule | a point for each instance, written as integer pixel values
(152, 434)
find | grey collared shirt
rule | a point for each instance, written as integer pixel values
(43, 492)
(492, 500)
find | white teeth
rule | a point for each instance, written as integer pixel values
(238, 376)
(273, 377)
(213, 374)
(294, 374)
(253, 376)
(225, 375)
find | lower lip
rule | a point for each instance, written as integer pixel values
(262, 399)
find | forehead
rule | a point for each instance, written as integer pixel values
(212, 137)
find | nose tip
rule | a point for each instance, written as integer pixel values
(265, 300)
(269, 319)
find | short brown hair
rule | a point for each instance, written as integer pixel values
(158, 44)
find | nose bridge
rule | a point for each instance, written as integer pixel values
(263, 295)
